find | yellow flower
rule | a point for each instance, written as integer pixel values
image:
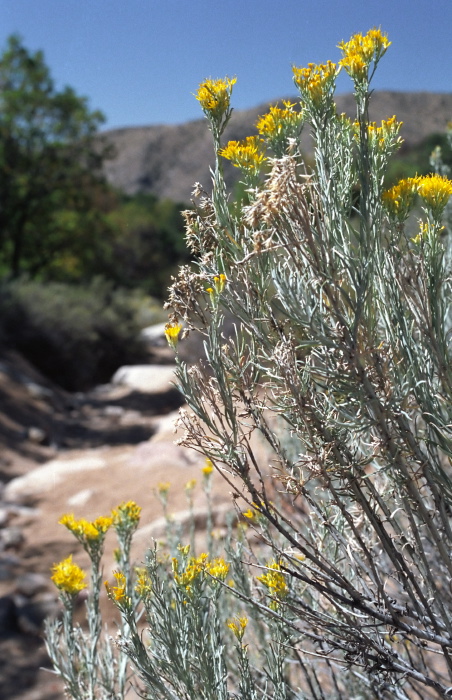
(214, 96)
(250, 514)
(86, 531)
(172, 331)
(248, 155)
(208, 468)
(359, 52)
(193, 570)
(238, 626)
(143, 584)
(435, 190)
(118, 592)
(163, 488)
(126, 513)
(103, 523)
(279, 124)
(399, 199)
(274, 580)
(68, 577)
(316, 81)
(218, 568)
(190, 485)
(220, 283)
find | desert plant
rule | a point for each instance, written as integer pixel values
(341, 364)
(339, 369)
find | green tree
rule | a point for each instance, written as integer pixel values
(50, 161)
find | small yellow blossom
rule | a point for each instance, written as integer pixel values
(423, 233)
(172, 331)
(193, 570)
(84, 530)
(220, 283)
(190, 485)
(399, 199)
(359, 52)
(218, 568)
(118, 592)
(274, 580)
(250, 514)
(208, 467)
(163, 487)
(126, 516)
(238, 626)
(435, 190)
(248, 155)
(68, 577)
(316, 81)
(214, 96)
(143, 583)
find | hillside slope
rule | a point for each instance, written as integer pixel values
(168, 160)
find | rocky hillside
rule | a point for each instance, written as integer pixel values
(168, 160)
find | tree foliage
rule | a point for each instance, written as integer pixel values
(49, 167)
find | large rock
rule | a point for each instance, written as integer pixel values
(151, 379)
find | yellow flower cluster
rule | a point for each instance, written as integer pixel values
(172, 331)
(196, 567)
(126, 514)
(215, 95)
(278, 121)
(399, 199)
(385, 134)
(143, 583)
(359, 52)
(218, 568)
(274, 580)
(117, 593)
(434, 189)
(249, 155)
(84, 530)
(219, 283)
(68, 577)
(315, 81)
(238, 626)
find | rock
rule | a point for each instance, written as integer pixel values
(5, 516)
(30, 584)
(8, 615)
(154, 336)
(80, 498)
(37, 435)
(38, 391)
(45, 478)
(158, 528)
(11, 538)
(31, 614)
(8, 565)
(152, 379)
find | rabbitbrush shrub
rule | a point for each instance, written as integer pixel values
(340, 368)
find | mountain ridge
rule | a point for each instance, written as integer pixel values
(167, 159)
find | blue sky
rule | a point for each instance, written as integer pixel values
(139, 61)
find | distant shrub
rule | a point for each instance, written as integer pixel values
(77, 336)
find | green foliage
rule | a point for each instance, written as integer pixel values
(49, 168)
(415, 160)
(147, 243)
(78, 336)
